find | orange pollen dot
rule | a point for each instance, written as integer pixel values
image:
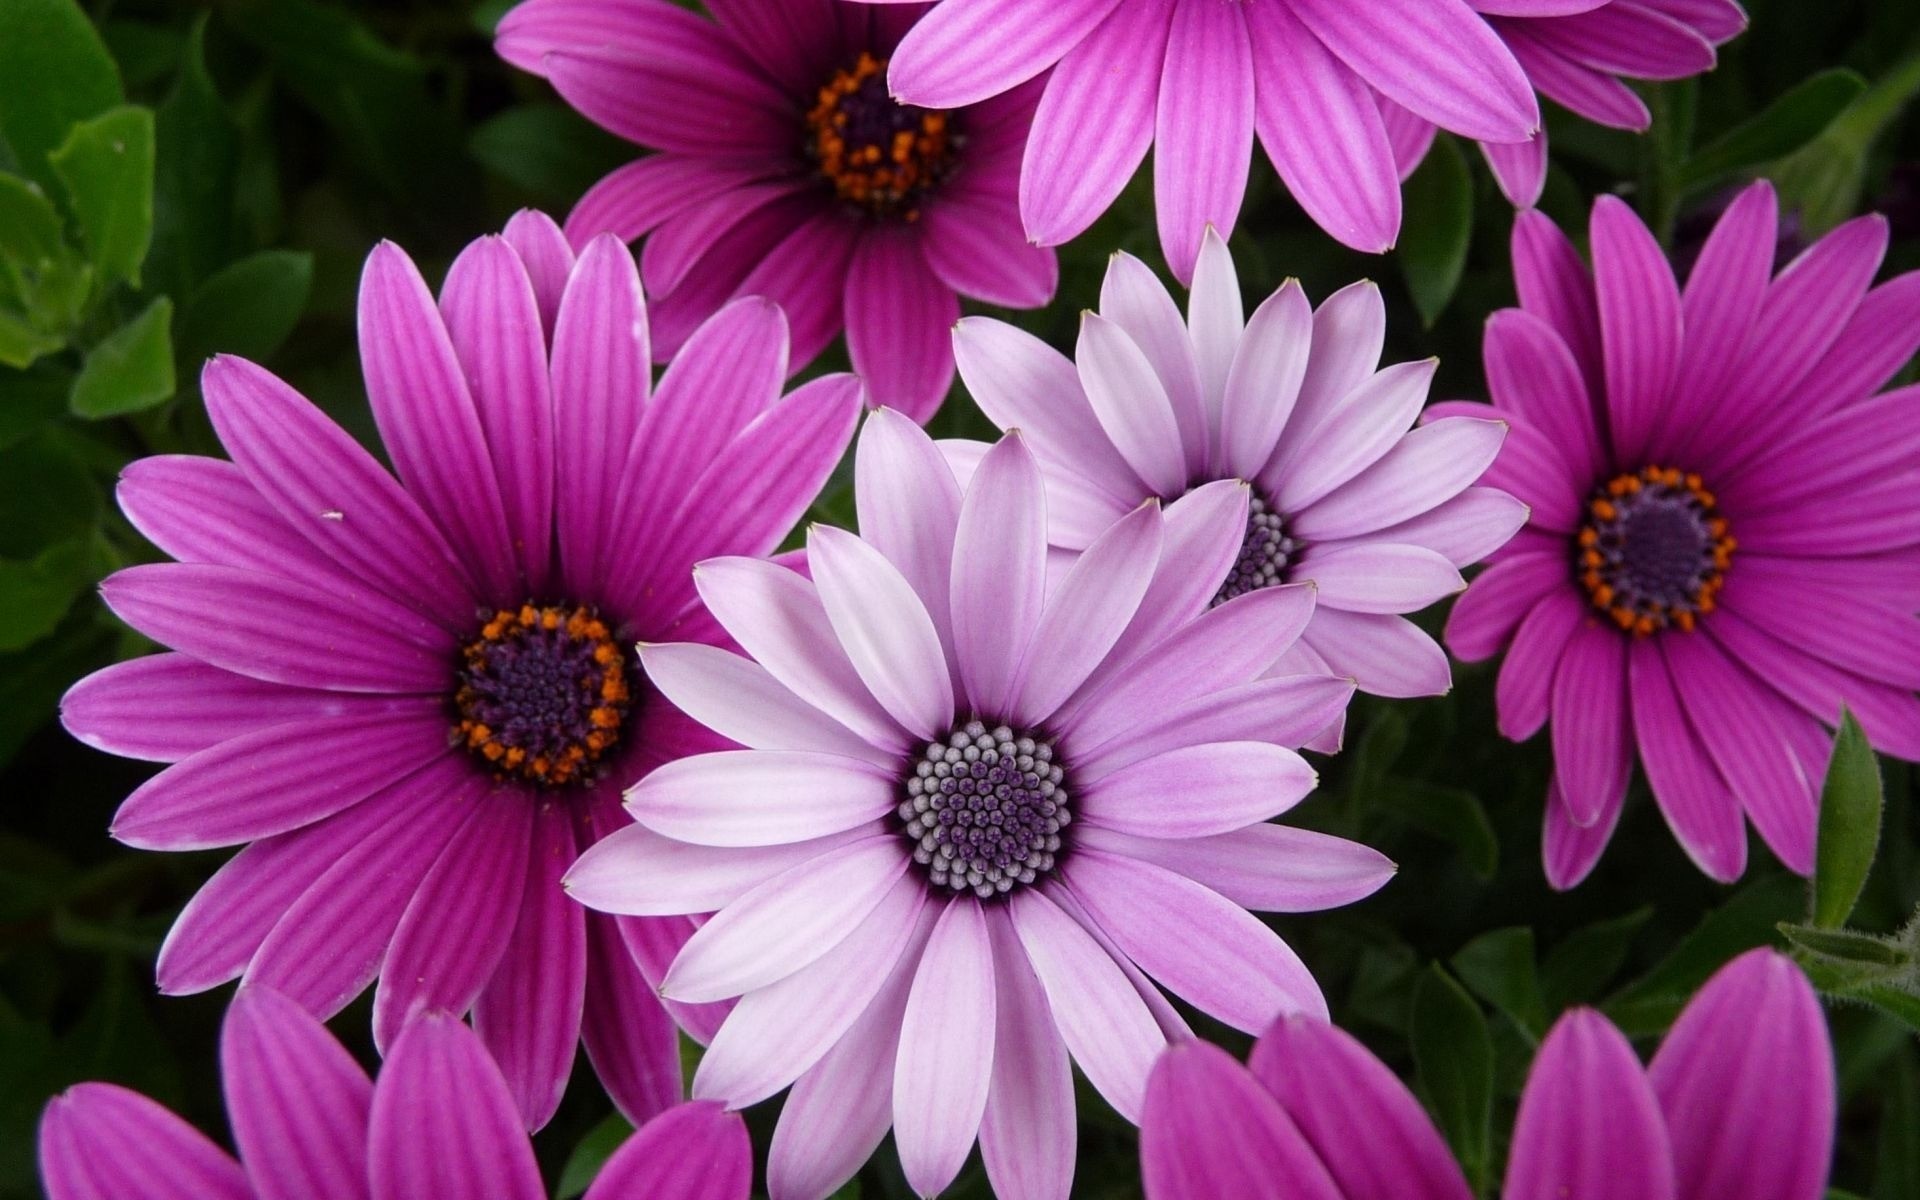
(542, 694)
(877, 154)
(1654, 552)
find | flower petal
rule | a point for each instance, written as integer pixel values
(443, 1124)
(298, 1102)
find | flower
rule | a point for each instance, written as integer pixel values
(1198, 80)
(1576, 52)
(1738, 1104)
(1378, 519)
(1721, 551)
(782, 168)
(983, 803)
(440, 1123)
(412, 699)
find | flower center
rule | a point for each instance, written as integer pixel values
(542, 694)
(1654, 550)
(1265, 554)
(985, 809)
(879, 155)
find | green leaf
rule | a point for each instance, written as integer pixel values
(30, 230)
(107, 166)
(35, 594)
(195, 172)
(1749, 919)
(21, 344)
(1437, 228)
(591, 1154)
(28, 400)
(49, 497)
(1850, 805)
(1452, 814)
(1790, 122)
(548, 149)
(1825, 178)
(131, 370)
(1845, 945)
(1588, 959)
(1897, 1174)
(373, 97)
(1454, 1055)
(247, 308)
(1500, 968)
(54, 71)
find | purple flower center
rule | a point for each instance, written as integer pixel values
(1265, 554)
(1654, 551)
(541, 695)
(877, 154)
(985, 809)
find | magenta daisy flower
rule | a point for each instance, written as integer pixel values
(784, 169)
(1576, 52)
(984, 803)
(1198, 79)
(1379, 519)
(439, 1123)
(412, 699)
(1738, 1104)
(1721, 551)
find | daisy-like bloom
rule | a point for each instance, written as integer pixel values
(783, 168)
(1738, 1104)
(1576, 52)
(414, 699)
(1293, 401)
(1345, 96)
(984, 802)
(440, 1124)
(1722, 550)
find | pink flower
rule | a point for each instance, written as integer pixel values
(985, 801)
(1737, 1105)
(1379, 519)
(440, 1123)
(784, 169)
(1575, 52)
(1722, 550)
(411, 700)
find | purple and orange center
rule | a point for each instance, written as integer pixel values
(985, 810)
(1654, 551)
(542, 694)
(877, 154)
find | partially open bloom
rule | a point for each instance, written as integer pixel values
(1738, 1104)
(1722, 549)
(1292, 400)
(439, 1124)
(984, 803)
(1576, 52)
(783, 168)
(413, 699)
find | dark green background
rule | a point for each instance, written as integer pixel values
(292, 135)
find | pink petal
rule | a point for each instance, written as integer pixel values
(945, 1060)
(443, 1124)
(1588, 1127)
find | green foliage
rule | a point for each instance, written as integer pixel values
(106, 164)
(131, 369)
(1454, 1054)
(1850, 804)
(1437, 228)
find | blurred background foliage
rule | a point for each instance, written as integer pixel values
(180, 179)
